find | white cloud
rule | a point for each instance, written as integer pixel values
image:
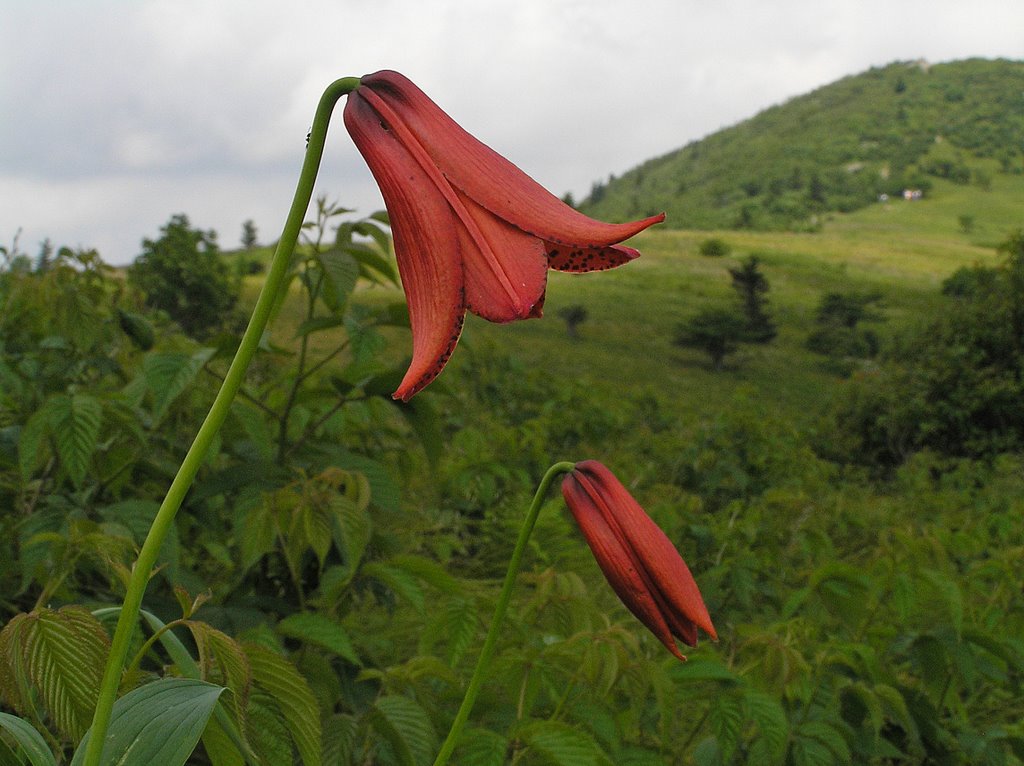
(118, 114)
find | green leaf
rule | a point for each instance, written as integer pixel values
(726, 720)
(136, 516)
(61, 654)
(28, 739)
(482, 747)
(225, 726)
(31, 442)
(340, 739)
(341, 271)
(827, 736)
(319, 323)
(772, 724)
(399, 581)
(222, 660)
(407, 728)
(373, 265)
(562, 744)
(75, 421)
(425, 423)
(138, 329)
(295, 701)
(701, 669)
(159, 723)
(220, 747)
(319, 630)
(168, 375)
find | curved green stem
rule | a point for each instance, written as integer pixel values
(499, 612)
(164, 518)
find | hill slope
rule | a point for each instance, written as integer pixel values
(835, 149)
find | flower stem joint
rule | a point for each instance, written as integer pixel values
(472, 232)
(639, 561)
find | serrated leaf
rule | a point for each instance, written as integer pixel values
(828, 736)
(562, 744)
(61, 654)
(772, 724)
(407, 728)
(168, 375)
(159, 723)
(400, 582)
(725, 718)
(461, 623)
(222, 661)
(319, 630)
(701, 669)
(279, 679)
(352, 534)
(75, 421)
(136, 516)
(482, 747)
(31, 442)
(340, 735)
(29, 740)
(138, 329)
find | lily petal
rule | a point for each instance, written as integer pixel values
(425, 235)
(584, 259)
(514, 288)
(491, 180)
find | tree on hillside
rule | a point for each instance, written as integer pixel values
(751, 285)
(182, 273)
(716, 331)
(574, 316)
(249, 236)
(838, 334)
(954, 386)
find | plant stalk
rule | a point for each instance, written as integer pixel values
(193, 460)
(475, 682)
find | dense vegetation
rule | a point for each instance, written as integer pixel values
(847, 491)
(837, 148)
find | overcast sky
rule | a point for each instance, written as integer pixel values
(117, 114)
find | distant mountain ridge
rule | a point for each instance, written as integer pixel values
(837, 148)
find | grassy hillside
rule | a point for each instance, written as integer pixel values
(903, 250)
(836, 149)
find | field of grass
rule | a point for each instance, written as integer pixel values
(902, 250)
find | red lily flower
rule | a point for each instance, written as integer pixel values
(471, 230)
(638, 560)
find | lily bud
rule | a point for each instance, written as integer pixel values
(639, 561)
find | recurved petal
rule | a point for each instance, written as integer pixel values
(583, 259)
(426, 244)
(491, 180)
(661, 562)
(619, 567)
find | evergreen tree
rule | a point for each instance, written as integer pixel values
(716, 331)
(751, 285)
